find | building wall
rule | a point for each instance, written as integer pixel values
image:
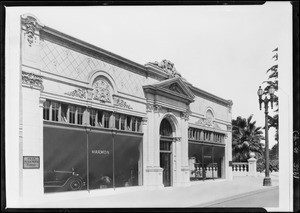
(65, 70)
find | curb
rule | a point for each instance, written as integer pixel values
(222, 200)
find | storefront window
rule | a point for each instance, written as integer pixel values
(206, 161)
(117, 121)
(128, 122)
(106, 120)
(79, 115)
(63, 113)
(65, 160)
(72, 115)
(138, 125)
(126, 161)
(92, 117)
(134, 122)
(55, 110)
(100, 160)
(123, 122)
(46, 110)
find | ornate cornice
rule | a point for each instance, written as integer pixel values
(121, 103)
(31, 26)
(32, 80)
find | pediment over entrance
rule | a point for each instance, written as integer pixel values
(174, 88)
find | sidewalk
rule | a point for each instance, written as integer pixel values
(198, 194)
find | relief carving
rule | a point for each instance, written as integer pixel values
(101, 91)
(168, 67)
(31, 26)
(79, 93)
(32, 80)
(186, 114)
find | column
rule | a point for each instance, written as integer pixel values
(228, 153)
(153, 173)
(185, 176)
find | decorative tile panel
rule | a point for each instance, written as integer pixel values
(69, 63)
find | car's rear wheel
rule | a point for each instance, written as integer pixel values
(74, 184)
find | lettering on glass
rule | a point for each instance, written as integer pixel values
(31, 162)
(100, 152)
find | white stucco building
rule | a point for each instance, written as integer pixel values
(93, 120)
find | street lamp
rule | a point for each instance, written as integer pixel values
(266, 100)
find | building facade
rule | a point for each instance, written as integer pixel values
(92, 120)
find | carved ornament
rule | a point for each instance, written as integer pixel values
(144, 120)
(32, 80)
(79, 93)
(153, 107)
(168, 67)
(206, 122)
(101, 91)
(186, 114)
(229, 127)
(31, 26)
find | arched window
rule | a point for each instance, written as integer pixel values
(165, 128)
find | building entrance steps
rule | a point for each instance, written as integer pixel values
(197, 194)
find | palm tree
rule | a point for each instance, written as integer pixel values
(246, 138)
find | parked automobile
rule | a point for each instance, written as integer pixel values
(64, 180)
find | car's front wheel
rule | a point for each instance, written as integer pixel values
(74, 184)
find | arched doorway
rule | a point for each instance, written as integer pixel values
(166, 133)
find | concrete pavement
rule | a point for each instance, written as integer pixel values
(200, 194)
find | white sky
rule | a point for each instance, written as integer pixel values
(224, 50)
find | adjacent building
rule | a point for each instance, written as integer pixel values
(93, 120)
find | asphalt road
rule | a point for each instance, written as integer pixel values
(269, 198)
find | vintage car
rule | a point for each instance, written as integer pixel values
(63, 180)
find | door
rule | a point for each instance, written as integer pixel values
(165, 164)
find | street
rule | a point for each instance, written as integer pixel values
(268, 198)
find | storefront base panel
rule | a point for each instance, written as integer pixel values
(153, 177)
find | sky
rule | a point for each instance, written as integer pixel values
(224, 50)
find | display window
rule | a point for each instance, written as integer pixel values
(206, 161)
(77, 158)
(65, 159)
(100, 160)
(127, 158)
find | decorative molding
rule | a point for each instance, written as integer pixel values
(41, 102)
(175, 87)
(121, 103)
(230, 103)
(31, 26)
(168, 67)
(157, 108)
(229, 127)
(79, 93)
(32, 80)
(205, 122)
(153, 107)
(101, 91)
(149, 107)
(186, 114)
(144, 120)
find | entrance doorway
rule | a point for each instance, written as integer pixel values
(166, 133)
(165, 162)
